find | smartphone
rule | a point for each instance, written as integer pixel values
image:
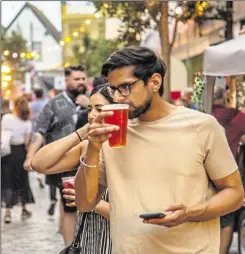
(148, 216)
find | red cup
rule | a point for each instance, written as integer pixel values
(119, 118)
(68, 183)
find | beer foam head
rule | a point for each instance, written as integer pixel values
(115, 107)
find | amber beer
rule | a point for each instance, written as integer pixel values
(120, 118)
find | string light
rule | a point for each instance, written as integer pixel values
(28, 55)
(37, 56)
(87, 22)
(7, 78)
(6, 52)
(75, 34)
(62, 43)
(178, 10)
(5, 69)
(67, 65)
(97, 15)
(22, 55)
(138, 37)
(5, 84)
(33, 54)
(82, 29)
(67, 39)
(106, 5)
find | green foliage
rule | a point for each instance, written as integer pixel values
(138, 16)
(133, 15)
(94, 52)
(14, 44)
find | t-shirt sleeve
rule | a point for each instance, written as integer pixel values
(44, 119)
(102, 175)
(219, 161)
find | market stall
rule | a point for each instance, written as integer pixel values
(225, 59)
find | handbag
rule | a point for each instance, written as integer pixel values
(74, 247)
(5, 143)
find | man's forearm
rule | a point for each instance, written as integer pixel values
(87, 181)
(224, 202)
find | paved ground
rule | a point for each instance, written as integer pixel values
(38, 235)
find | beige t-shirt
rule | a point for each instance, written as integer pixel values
(165, 162)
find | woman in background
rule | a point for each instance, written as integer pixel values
(14, 179)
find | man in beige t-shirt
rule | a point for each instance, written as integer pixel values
(173, 160)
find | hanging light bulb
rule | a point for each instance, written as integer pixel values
(22, 55)
(138, 37)
(106, 5)
(14, 55)
(75, 34)
(28, 55)
(62, 43)
(6, 52)
(67, 39)
(178, 10)
(87, 22)
(97, 15)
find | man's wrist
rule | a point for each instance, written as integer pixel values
(196, 213)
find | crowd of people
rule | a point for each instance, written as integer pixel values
(187, 168)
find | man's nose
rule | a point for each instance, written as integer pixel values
(118, 97)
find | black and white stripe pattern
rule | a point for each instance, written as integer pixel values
(95, 238)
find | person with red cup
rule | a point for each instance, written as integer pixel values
(174, 177)
(65, 156)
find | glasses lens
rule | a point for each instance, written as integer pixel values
(124, 90)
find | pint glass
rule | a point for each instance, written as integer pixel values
(119, 118)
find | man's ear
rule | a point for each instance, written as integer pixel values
(155, 82)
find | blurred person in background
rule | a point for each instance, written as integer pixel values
(28, 96)
(5, 107)
(14, 179)
(57, 120)
(233, 122)
(186, 98)
(36, 107)
(53, 92)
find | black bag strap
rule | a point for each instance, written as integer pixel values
(77, 238)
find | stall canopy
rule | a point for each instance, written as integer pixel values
(225, 59)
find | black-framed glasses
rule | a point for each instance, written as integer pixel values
(124, 89)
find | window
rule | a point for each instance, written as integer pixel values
(37, 47)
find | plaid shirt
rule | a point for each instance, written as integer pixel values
(58, 118)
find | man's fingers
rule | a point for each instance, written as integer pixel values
(102, 115)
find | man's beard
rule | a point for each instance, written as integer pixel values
(140, 110)
(76, 92)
